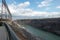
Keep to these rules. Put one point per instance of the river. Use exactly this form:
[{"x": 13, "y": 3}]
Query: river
[{"x": 40, "y": 33}]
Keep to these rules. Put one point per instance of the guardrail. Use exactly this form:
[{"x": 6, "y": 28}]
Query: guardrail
[{"x": 12, "y": 35}]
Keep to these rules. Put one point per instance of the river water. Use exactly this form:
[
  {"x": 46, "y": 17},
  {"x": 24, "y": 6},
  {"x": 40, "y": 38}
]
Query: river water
[{"x": 40, "y": 33}]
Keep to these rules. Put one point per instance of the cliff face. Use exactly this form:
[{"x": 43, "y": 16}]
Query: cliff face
[{"x": 51, "y": 25}]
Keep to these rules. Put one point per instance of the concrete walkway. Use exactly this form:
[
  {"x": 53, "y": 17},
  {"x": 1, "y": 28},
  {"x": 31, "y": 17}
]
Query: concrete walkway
[{"x": 3, "y": 33}]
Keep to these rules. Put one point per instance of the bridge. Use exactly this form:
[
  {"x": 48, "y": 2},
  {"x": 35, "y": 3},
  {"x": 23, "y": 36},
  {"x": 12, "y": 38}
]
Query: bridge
[{"x": 8, "y": 28}]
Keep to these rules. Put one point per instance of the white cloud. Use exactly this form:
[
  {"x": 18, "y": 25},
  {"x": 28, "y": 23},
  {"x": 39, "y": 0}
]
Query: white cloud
[
  {"x": 23, "y": 5},
  {"x": 18, "y": 11},
  {"x": 45, "y": 3},
  {"x": 21, "y": 10},
  {"x": 58, "y": 7}
]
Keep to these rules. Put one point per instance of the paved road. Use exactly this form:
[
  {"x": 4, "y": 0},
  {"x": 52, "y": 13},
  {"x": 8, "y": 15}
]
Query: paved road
[{"x": 3, "y": 33}]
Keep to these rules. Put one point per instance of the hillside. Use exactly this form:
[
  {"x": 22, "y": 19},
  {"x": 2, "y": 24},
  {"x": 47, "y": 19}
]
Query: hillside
[{"x": 50, "y": 24}]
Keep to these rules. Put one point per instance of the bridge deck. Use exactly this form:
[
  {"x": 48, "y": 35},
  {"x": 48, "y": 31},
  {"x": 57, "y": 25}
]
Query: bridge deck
[{"x": 3, "y": 33}]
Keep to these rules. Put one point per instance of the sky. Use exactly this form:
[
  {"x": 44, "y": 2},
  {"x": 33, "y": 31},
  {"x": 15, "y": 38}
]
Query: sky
[{"x": 34, "y": 8}]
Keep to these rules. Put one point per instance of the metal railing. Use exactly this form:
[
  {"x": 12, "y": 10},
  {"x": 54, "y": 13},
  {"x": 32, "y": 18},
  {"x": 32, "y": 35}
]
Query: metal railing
[{"x": 12, "y": 34}]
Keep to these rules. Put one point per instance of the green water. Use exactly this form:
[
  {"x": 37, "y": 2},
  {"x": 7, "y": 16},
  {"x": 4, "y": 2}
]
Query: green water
[{"x": 44, "y": 35}]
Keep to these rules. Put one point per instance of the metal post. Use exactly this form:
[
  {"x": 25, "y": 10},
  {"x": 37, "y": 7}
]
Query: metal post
[
  {"x": 5, "y": 16},
  {"x": 1, "y": 10}
]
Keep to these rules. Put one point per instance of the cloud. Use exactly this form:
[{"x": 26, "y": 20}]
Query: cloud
[
  {"x": 45, "y": 3},
  {"x": 18, "y": 10},
  {"x": 30, "y": 13},
  {"x": 21, "y": 10},
  {"x": 23, "y": 5},
  {"x": 58, "y": 7}
]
